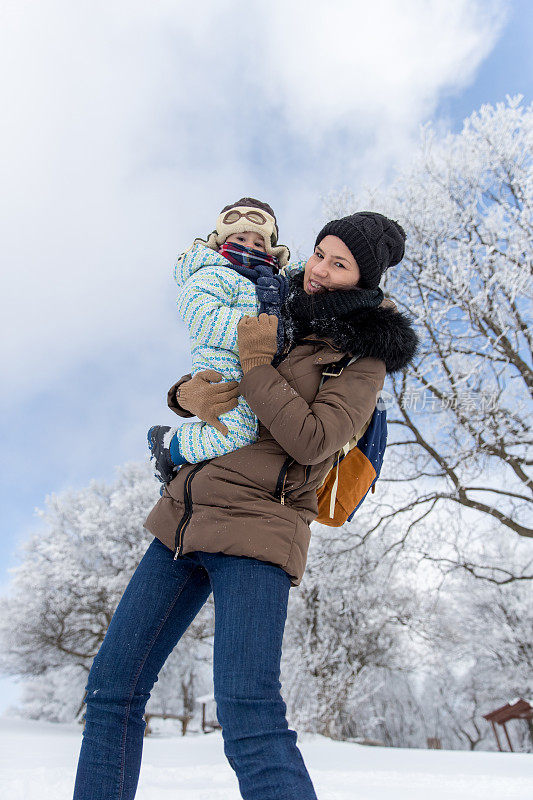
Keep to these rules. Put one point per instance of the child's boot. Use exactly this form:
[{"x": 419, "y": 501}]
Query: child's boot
[{"x": 159, "y": 438}]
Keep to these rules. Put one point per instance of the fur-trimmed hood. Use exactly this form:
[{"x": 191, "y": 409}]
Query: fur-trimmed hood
[
  {"x": 376, "y": 333},
  {"x": 382, "y": 332}
]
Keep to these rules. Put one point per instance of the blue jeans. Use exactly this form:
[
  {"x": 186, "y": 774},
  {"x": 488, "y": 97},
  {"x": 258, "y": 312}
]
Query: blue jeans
[{"x": 159, "y": 603}]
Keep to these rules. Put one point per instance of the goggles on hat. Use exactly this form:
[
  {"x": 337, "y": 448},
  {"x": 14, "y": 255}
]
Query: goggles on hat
[{"x": 252, "y": 216}]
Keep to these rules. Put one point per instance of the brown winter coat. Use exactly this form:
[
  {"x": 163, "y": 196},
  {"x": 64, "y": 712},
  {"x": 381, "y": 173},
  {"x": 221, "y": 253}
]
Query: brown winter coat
[
  {"x": 233, "y": 503},
  {"x": 232, "y": 496}
]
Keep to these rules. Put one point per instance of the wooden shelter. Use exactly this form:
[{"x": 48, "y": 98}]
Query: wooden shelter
[
  {"x": 183, "y": 718},
  {"x": 434, "y": 743},
  {"x": 516, "y": 709},
  {"x": 208, "y": 726}
]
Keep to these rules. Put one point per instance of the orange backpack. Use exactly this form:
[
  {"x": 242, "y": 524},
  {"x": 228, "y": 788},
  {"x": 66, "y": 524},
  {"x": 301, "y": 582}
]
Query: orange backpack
[{"x": 356, "y": 467}]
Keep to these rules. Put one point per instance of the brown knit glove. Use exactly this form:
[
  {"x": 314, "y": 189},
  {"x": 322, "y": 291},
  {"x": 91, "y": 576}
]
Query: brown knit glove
[
  {"x": 207, "y": 398},
  {"x": 257, "y": 338}
]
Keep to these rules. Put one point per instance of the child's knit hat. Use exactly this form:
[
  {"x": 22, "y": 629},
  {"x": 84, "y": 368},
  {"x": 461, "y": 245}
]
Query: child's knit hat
[{"x": 248, "y": 214}]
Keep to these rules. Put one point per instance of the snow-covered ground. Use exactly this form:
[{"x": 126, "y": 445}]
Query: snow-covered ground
[{"x": 38, "y": 762}]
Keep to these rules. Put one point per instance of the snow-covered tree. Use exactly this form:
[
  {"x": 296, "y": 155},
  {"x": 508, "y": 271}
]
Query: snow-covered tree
[
  {"x": 480, "y": 656},
  {"x": 64, "y": 592},
  {"x": 460, "y": 420},
  {"x": 345, "y": 627}
]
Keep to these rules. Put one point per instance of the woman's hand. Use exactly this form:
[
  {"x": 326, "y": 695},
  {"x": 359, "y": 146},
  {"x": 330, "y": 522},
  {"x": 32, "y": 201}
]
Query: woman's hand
[
  {"x": 207, "y": 398},
  {"x": 257, "y": 337}
]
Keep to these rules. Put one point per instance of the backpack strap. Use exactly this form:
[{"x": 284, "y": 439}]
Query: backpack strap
[
  {"x": 336, "y": 369},
  {"x": 333, "y": 371},
  {"x": 333, "y": 495}
]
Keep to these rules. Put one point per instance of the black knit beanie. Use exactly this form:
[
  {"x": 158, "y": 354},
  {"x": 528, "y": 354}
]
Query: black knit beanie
[{"x": 375, "y": 241}]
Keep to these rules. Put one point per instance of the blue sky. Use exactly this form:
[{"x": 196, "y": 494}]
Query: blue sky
[{"x": 130, "y": 126}]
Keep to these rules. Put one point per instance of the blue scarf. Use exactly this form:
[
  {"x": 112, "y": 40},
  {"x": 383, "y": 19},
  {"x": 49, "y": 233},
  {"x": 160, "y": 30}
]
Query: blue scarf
[{"x": 270, "y": 287}]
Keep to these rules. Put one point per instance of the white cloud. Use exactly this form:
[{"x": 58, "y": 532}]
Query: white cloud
[
  {"x": 363, "y": 64},
  {"x": 129, "y": 124}
]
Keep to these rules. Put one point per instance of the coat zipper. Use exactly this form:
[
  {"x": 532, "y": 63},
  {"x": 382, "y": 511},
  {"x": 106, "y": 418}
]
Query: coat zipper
[
  {"x": 186, "y": 518},
  {"x": 282, "y": 498},
  {"x": 280, "y": 492}
]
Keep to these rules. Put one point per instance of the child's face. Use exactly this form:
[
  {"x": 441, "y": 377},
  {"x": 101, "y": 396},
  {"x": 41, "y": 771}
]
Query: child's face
[{"x": 250, "y": 239}]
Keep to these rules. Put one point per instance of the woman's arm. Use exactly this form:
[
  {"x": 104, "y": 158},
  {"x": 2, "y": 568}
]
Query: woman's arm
[
  {"x": 173, "y": 398},
  {"x": 205, "y": 397},
  {"x": 312, "y": 433},
  {"x": 308, "y": 433}
]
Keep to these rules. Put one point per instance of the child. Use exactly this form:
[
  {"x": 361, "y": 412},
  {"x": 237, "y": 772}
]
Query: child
[{"x": 232, "y": 274}]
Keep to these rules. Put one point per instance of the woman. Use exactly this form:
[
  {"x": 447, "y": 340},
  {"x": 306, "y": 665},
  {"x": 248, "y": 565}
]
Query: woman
[{"x": 238, "y": 525}]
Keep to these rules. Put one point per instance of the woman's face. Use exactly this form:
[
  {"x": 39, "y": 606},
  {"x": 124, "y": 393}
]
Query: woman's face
[{"x": 331, "y": 267}]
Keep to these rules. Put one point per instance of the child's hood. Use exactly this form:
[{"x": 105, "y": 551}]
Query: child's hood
[
  {"x": 193, "y": 259},
  {"x": 293, "y": 268},
  {"x": 198, "y": 256}
]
